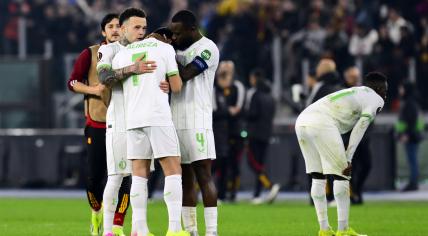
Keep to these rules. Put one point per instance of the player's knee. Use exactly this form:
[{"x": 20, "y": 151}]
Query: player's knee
[{"x": 316, "y": 175}]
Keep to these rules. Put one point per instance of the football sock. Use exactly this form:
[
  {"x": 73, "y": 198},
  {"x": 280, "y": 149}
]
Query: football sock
[
  {"x": 341, "y": 195},
  {"x": 110, "y": 197},
  {"x": 173, "y": 197},
  {"x": 189, "y": 219},
  {"x": 139, "y": 205},
  {"x": 320, "y": 202},
  {"x": 210, "y": 214}
]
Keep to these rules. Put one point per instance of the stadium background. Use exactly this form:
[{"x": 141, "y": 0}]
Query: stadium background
[{"x": 41, "y": 143}]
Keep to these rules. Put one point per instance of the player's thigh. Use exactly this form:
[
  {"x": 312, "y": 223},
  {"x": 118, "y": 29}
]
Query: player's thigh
[
  {"x": 117, "y": 161},
  {"x": 331, "y": 149},
  {"x": 163, "y": 140},
  {"x": 310, "y": 153},
  {"x": 199, "y": 145},
  {"x": 138, "y": 145}
]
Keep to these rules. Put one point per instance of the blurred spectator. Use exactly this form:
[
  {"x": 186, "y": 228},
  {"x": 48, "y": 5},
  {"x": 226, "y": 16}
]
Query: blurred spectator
[
  {"x": 362, "y": 41},
  {"x": 221, "y": 128},
  {"x": 260, "y": 113},
  {"x": 422, "y": 61},
  {"x": 231, "y": 141},
  {"x": 327, "y": 81},
  {"x": 410, "y": 127},
  {"x": 394, "y": 24}
]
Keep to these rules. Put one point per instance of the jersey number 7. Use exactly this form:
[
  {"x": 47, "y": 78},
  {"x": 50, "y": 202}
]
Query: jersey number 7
[{"x": 142, "y": 56}]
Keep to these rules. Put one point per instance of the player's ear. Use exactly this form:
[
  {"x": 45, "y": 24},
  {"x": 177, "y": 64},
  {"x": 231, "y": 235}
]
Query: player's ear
[{"x": 104, "y": 33}]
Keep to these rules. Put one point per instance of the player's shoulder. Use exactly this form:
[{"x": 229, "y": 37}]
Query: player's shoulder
[{"x": 369, "y": 95}]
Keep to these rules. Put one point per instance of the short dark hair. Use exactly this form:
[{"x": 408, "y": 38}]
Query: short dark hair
[
  {"x": 164, "y": 31},
  {"x": 130, "y": 12},
  {"x": 107, "y": 19},
  {"x": 374, "y": 79},
  {"x": 185, "y": 17}
]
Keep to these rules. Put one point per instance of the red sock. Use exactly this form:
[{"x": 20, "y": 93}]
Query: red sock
[{"x": 119, "y": 218}]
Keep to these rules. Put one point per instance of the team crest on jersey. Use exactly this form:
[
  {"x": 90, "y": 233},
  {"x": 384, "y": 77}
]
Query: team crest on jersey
[
  {"x": 100, "y": 55},
  {"x": 206, "y": 54}
]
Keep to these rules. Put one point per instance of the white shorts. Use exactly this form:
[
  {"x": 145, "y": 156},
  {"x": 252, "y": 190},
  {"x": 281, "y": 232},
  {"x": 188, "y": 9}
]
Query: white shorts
[
  {"x": 323, "y": 149},
  {"x": 117, "y": 163},
  {"x": 152, "y": 142},
  {"x": 196, "y": 145}
]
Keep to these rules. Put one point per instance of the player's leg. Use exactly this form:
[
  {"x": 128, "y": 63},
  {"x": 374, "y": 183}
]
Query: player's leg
[
  {"x": 190, "y": 199},
  {"x": 333, "y": 158},
  {"x": 96, "y": 173},
  {"x": 165, "y": 145},
  {"x": 202, "y": 154},
  {"x": 116, "y": 192},
  {"x": 318, "y": 183},
  {"x": 122, "y": 205},
  {"x": 188, "y": 211},
  {"x": 140, "y": 152},
  {"x": 202, "y": 170},
  {"x": 110, "y": 201}
]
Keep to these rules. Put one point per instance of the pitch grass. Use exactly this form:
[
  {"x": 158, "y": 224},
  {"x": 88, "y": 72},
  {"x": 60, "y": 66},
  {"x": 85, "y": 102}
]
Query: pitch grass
[{"x": 71, "y": 217}]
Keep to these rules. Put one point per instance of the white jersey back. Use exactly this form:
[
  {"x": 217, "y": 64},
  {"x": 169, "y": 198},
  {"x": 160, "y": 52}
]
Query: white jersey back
[
  {"x": 145, "y": 103},
  {"x": 192, "y": 107},
  {"x": 344, "y": 108},
  {"x": 115, "y": 117}
]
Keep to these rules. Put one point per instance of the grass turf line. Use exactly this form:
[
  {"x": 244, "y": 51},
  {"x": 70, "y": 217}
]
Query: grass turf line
[{"x": 45, "y": 217}]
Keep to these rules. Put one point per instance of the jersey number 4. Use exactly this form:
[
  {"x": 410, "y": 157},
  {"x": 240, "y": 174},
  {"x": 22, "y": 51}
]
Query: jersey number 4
[{"x": 142, "y": 56}]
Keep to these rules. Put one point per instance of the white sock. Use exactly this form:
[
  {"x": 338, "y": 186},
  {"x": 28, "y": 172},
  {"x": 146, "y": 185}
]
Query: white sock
[
  {"x": 110, "y": 199},
  {"x": 139, "y": 205},
  {"x": 210, "y": 214},
  {"x": 189, "y": 219},
  {"x": 320, "y": 202},
  {"x": 173, "y": 196},
  {"x": 341, "y": 195}
]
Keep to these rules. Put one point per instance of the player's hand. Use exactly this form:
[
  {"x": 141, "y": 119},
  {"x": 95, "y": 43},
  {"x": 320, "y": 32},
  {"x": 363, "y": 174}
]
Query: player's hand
[
  {"x": 348, "y": 170},
  {"x": 99, "y": 89},
  {"x": 164, "y": 86},
  {"x": 142, "y": 67}
]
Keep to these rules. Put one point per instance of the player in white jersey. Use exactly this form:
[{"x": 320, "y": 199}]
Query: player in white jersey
[
  {"x": 150, "y": 130},
  {"x": 117, "y": 163},
  {"x": 319, "y": 128},
  {"x": 198, "y": 59}
]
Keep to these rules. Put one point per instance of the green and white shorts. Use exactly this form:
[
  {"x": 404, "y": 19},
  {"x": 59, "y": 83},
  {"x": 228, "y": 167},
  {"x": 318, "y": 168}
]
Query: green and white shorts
[{"x": 196, "y": 145}]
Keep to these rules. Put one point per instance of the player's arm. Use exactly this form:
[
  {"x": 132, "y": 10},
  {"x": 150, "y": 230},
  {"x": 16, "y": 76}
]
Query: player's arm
[
  {"x": 357, "y": 134},
  {"x": 175, "y": 83},
  {"x": 80, "y": 73},
  {"x": 172, "y": 72},
  {"x": 191, "y": 70},
  {"x": 205, "y": 59},
  {"x": 108, "y": 76}
]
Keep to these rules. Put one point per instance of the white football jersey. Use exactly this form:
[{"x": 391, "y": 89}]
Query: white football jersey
[
  {"x": 115, "y": 117},
  {"x": 192, "y": 107},
  {"x": 145, "y": 103},
  {"x": 344, "y": 108}
]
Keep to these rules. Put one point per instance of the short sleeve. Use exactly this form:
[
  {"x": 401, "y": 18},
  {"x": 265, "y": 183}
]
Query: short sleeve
[
  {"x": 171, "y": 63},
  {"x": 209, "y": 54},
  {"x": 372, "y": 104},
  {"x": 105, "y": 57}
]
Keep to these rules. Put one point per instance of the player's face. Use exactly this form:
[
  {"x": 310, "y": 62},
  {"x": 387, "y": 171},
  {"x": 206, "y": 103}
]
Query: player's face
[
  {"x": 134, "y": 29},
  {"x": 112, "y": 31},
  {"x": 181, "y": 36}
]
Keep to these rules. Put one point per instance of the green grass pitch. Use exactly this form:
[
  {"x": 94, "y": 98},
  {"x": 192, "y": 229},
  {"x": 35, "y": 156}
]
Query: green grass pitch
[{"x": 71, "y": 217}]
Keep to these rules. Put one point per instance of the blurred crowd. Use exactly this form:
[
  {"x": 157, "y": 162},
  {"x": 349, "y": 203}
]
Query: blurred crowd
[{"x": 385, "y": 35}]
